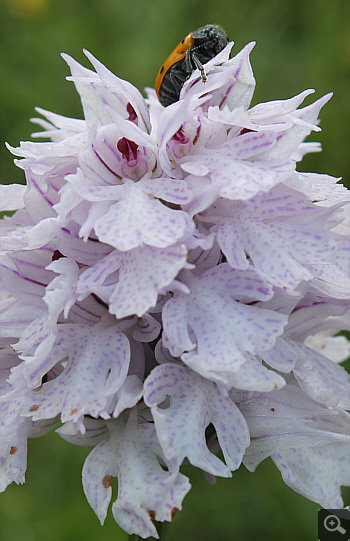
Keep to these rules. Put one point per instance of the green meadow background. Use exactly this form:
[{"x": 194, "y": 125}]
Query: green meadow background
[{"x": 300, "y": 44}]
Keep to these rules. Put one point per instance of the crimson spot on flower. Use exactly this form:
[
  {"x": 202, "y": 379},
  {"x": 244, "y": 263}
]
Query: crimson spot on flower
[
  {"x": 132, "y": 113},
  {"x": 127, "y": 148}
]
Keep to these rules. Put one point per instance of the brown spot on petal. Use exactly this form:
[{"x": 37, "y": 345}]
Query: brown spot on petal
[
  {"x": 37, "y": 389},
  {"x": 33, "y": 408},
  {"x": 152, "y": 513},
  {"x": 107, "y": 481},
  {"x": 273, "y": 409},
  {"x": 13, "y": 450},
  {"x": 173, "y": 512},
  {"x": 74, "y": 410}
]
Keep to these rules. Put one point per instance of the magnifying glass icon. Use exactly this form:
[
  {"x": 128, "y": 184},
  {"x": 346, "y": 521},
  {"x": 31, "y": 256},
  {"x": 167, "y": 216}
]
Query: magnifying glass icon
[{"x": 332, "y": 524}]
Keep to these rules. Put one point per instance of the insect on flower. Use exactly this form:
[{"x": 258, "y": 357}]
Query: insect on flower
[{"x": 195, "y": 49}]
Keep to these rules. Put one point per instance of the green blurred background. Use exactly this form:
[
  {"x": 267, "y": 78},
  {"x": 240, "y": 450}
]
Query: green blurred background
[{"x": 300, "y": 44}]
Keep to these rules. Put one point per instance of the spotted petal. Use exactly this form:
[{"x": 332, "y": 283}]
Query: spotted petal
[
  {"x": 194, "y": 404},
  {"x": 145, "y": 490}
]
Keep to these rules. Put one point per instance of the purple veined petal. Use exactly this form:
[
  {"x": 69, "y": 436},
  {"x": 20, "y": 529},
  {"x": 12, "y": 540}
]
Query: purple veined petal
[
  {"x": 101, "y": 161},
  {"x": 95, "y": 432},
  {"x": 313, "y": 313},
  {"x": 82, "y": 78},
  {"x": 205, "y": 193},
  {"x": 128, "y": 395},
  {"x": 322, "y": 379},
  {"x": 171, "y": 190},
  {"x": 282, "y": 356},
  {"x": 274, "y": 115},
  {"x": 204, "y": 259},
  {"x": 145, "y": 490},
  {"x": 118, "y": 87},
  {"x": 253, "y": 376},
  {"x": 316, "y": 473},
  {"x": 143, "y": 273},
  {"x": 86, "y": 252},
  {"x": 146, "y": 329},
  {"x": 134, "y": 215},
  {"x": 305, "y": 120},
  {"x": 140, "y": 219},
  {"x": 59, "y": 345},
  {"x": 241, "y": 180},
  {"x": 318, "y": 187},
  {"x": 20, "y": 278},
  {"x": 49, "y": 153},
  {"x": 281, "y": 233},
  {"x": 162, "y": 354},
  {"x": 207, "y": 135},
  {"x": 223, "y": 329},
  {"x": 57, "y": 127},
  {"x": 194, "y": 404},
  {"x": 308, "y": 442},
  {"x": 247, "y": 146},
  {"x": 288, "y": 419},
  {"x": 15, "y": 317},
  {"x": 43, "y": 190},
  {"x": 13, "y": 457},
  {"x": 334, "y": 280},
  {"x": 28, "y": 237},
  {"x": 39, "y": 337},
  {"x": 269, "y": 112},
  {"x": 97, "y": 366}
]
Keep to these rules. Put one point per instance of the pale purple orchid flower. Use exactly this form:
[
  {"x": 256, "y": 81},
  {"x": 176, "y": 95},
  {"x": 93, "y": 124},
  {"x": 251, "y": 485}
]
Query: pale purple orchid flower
[{"x": 172, "y": 286}]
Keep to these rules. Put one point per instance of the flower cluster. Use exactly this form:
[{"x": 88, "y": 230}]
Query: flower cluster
[{"x": 171, "y": 287}]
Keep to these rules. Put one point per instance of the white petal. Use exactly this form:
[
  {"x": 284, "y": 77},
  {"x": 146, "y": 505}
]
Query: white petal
[
  {"x": 11, "y": 196},
  {"x": 145, "y": 490},
  {"x": 97, "y": 366},
  {"x": 322, "y": 379},
  {"x": 194, "y": 404}
]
